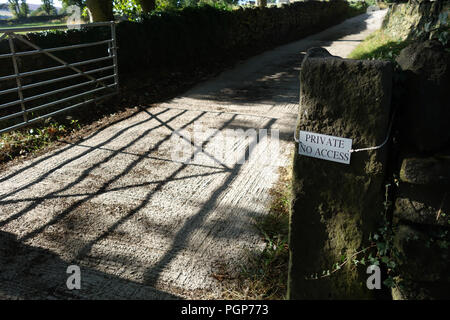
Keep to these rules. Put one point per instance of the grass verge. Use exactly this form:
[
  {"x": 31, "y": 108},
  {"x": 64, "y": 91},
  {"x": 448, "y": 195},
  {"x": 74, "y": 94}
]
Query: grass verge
[
  {"x": 15, "y": 24},
  {"x": 379, "y": 45},
  {"x": 26, "y": 141},
  {"x": 357, "y": 7},
  {"x": 264, "y": 274}
]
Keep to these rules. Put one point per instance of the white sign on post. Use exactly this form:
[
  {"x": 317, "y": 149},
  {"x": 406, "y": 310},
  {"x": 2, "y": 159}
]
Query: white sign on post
[{"x": 325, "y": 147}]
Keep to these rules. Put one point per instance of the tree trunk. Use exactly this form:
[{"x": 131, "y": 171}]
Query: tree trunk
[
  {"x": 261, "y": 3},
  {"x": 100, "y": 10},
  {"x": 147, "y": 5}
]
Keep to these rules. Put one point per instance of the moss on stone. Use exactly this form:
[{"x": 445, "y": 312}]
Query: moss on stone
[{"x": 337, "y": 206}]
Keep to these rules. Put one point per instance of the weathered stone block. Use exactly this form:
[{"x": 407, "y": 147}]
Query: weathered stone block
[
  {"x": 424, "y": 192},
  {"x": 428, "y": 205},
  {"x": 422, "y": 212},
  {"x": 435, "y": 170},
  {"x": 406, "y": 20},
  {"x": 424, "y": 254},
  {"x": 425, "y": 110},
  {"x": 410, "y": 290},
  {"x": 336, "y": 206}
]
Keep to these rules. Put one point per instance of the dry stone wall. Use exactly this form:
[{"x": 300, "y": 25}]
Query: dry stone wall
[
  {"x": 335, "y": 207},
  {"x": 422, "y": 206}
]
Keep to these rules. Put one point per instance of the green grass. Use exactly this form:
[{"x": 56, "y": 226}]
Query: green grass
[
  {"x": 357, "y": 7},
  {"x": 56, "y": 22},
  {"x": 28, "y": 140},
  {"x": 380, "y": 46}
]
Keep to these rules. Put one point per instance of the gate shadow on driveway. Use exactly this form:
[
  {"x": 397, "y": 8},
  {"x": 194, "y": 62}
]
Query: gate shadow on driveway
[
  {"x": 29, "y": 272},
  {"x": 42, "y": 272}
]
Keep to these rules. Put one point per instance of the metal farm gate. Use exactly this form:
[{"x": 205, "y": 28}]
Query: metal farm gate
[{"x": 37, "y": 83}]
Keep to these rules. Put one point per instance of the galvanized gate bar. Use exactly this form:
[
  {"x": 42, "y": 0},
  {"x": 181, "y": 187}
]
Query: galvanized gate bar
[
  {"x": 37, "y": 84},
  {"x": 75, "y": 46},
  {"x": 18, "y": 81},
  {"x": 112, "y": 55},
  {"x": 42, "y": 95},
  {"x": 68, "y": 65},
  {"x": 67, "y": 99},
  {"x": 43, "y": 117},
  {"x": 55, "y": 102},
  {"x": 76, "y": 64}
]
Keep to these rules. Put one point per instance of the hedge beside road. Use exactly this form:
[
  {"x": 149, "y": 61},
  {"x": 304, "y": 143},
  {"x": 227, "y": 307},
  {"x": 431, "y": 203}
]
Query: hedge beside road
[
  {"x": 197, "y": 36},
  {"x": 194, "y": 37}
]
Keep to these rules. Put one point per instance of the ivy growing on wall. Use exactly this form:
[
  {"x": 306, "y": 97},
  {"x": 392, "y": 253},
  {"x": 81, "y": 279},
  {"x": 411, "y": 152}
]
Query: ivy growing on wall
[
  {"x": 440, "y": 31},
  {"x": 380, "y": 252}
]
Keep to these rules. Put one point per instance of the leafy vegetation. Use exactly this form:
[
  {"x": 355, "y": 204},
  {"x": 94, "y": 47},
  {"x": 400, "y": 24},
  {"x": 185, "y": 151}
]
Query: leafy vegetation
[
  {"x": 24, "y": 141},
  {"x": 19, "y": 9},
  {"x": 380, "y": 45},
  {"x": 14, "y": 24},
  {"x": 46, "y": 9},
  {"x": 357, "y": 7},
  {"x": 380, "y": 251},
  {"x": 440, "y": 32}
]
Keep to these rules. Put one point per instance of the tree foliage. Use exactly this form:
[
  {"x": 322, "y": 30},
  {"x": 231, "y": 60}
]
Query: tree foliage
[
  {"x": 47, "y": 6},
  {"x": 78, "y": 3},
  {"x": 99, "y": 10},
  {"x": 14, "y": 7},
  {"x": 24, "y": 9},
  {"x": 19, "y": 9},
  {"x": 128, "y": 8}
]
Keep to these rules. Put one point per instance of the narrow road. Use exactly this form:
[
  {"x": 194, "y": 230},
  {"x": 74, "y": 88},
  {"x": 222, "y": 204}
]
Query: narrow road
[{"x": 146, "y": 213}]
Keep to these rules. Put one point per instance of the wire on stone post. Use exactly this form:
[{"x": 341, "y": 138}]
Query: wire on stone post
[{"x": 381, "y": 145}]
